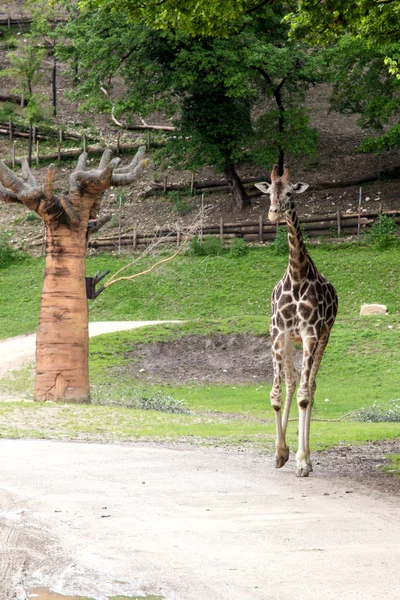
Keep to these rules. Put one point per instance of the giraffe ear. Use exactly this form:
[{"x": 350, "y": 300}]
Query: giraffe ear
[
  {"x": 300, "y": 187},
  {"x": 264, "y": 187}
]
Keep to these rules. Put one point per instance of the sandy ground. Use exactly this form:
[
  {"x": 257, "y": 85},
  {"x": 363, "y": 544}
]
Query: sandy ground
[
  {"x": 17, "y": 351},
  {"x": 187, "y": 523}
]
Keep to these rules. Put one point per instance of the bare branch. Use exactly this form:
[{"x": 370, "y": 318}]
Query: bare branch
[
  {"x": 69, "y": 210},
  {"x": 119, "y": 179},
  {"x": 134, "y": 162},
  {"x": 99, "y": 223},
  {"x": 95, "y": 180},
  {"x": 105, "y": 159},
  {"x": 195, "y": 228},
  {"x": 49, "y": 181},
  {"x": 149, "y": 270},
  {"x": 81, "y": 164},
  {"x": 26, "y": 173},
  {"x": 9, "y": 179},
  {"x": 8, "y": 196}
]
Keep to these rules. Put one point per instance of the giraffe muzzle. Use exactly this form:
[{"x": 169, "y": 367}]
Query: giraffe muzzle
[{"x": 273, "y": 214}]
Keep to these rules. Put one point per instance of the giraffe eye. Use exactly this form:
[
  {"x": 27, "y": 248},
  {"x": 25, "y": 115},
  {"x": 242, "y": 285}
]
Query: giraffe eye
[{"x": 289, "y": 194}]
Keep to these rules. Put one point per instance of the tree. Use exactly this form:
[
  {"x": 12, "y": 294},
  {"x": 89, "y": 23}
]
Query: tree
[
  {"x": 25, "y": 63},
  {"x": 214, "y": 86},
  {"x": 193, "y": 17},
  {"x": 377, "y": 21},
  {"x": 363, "y": 50},
  {"x": 62, "y": 334},
  {"x": 43, "y": 30}
]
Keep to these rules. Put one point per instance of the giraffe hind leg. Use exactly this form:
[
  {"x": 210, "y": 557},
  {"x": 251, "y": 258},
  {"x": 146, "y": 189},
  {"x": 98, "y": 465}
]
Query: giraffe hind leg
[
  {"x": 282, "y": 450},
  {"x": 322, "y": 343},
  {"x": 304, "y": 401}
]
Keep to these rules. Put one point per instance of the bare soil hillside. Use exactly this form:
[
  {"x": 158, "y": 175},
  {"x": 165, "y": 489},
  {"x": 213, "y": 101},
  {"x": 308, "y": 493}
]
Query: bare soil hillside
[{"x": 337, "y": 160}]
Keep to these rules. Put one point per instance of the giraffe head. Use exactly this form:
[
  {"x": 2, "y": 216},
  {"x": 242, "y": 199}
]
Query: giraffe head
[{"x": 280, "y": 191}]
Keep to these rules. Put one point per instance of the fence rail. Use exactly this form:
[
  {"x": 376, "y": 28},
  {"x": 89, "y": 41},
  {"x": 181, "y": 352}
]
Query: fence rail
[{"x": 337, "y": 225}]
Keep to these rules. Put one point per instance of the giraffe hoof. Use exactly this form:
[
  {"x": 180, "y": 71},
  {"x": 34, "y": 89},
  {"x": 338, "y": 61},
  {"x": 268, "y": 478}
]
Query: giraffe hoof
[
  {"x": 303, "y": 471},
  {"x": 281, "y": 458}
]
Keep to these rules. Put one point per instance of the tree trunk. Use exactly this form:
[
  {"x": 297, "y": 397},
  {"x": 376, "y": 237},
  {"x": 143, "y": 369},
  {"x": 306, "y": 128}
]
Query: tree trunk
[
  {"x": 62, "y": 372},
  {"x": 30, "y": 143},
  {"x": 62, "y": 335},
  {"x": 236, "y": 187}
]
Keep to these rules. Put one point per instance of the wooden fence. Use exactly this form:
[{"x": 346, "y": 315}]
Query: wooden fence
[{"x": 336, "y": 225}]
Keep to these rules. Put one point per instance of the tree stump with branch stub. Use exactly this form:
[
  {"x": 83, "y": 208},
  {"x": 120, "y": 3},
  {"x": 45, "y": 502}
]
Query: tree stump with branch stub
[{"x": 62, "y": 336}]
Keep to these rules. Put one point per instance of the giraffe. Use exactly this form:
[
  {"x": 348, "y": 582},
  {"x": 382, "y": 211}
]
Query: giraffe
[{"x": 304, "y": 306}]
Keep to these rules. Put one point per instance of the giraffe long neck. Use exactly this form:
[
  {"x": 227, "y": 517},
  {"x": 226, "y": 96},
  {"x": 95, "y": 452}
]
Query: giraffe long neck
[{"x": 300, "y": 265}]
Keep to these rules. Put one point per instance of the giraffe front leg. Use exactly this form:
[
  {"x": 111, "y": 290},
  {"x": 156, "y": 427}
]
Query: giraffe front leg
[
  {"x": 282, "y": 450},
  {"x": 304, "y": 401}
]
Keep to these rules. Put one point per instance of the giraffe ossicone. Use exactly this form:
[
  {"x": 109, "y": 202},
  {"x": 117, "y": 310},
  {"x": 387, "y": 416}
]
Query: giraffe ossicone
[{"x": 304, "y": 308}]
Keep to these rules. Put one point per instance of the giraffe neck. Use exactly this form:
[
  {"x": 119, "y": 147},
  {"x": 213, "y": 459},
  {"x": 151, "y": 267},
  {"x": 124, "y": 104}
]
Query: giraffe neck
[{"x": 300, "y": 265}]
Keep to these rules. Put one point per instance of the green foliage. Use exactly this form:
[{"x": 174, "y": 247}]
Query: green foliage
[
  {"x": 363, "y": 56},
  {"x": 355, "y": 69},
  {"x": 32, "y": 217},
  {"x": 209, "y": 245},
  {"x": 142, "y": 398},
  {"x": 194, "y": 17},
  {"x": 376, "y": 21},
  {"x": 25, "y": 64},
  {"x": 8, "y": 254},
  {"x": 182, "y": 204},
  {"x": 379, "y": 412},
  {"x": 211, "y": 85},
  {"x": 280, "y": 243},
  {"x": 383, "y": 232},
  {"x": 238, "y": 248},
  {"x": 7, "y": 109}
]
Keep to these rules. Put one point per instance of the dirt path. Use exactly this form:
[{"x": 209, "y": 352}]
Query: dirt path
[
  {"x": 189, "y": 523},
  {"x": 17, "y": 351}
]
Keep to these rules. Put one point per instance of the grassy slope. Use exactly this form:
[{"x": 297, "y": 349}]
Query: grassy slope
[
  {"x": 211, "y": 288},
  {"x": 361, "y": 363}
]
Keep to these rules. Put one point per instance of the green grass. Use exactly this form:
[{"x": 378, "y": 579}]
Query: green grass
[
  {"x": 394, "y": 466},
  {"x": 212, "y": 288},
  {"x": 216, "y": 294}
]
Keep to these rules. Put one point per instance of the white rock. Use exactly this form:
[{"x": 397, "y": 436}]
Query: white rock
[{"x": 373, "y": 309}]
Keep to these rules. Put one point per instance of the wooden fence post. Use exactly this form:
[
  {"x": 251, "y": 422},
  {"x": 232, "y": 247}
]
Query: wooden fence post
[
  {"x": 10, "y": 129},
  {"x": 221, "y": 229},
  {"x": 165, "y": 183},
  {"x": 192, "y": 184},
  {"x": 339, "y": 224},
  {"x": 13, "y": 155},
  {"x": 117, "y": 144},
  {"x": 37, "y": 152},
  {"x": 84, "y": 142},
  {"x": 135, "y": 238},
  {"x": 58, "y": 151},
  {"x": 260, "y": 229},
  {"x": 148, "y": 139},
  {"x": 34, "y": 135},
  {"x": 60, "y": 135}
]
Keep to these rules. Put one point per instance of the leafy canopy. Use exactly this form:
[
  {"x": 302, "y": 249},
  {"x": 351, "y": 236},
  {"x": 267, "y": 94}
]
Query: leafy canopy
[
  {"x": 223, "y": 92},
  {"x": 195, "y": 17},
  {"x": 375, "y": 20}
]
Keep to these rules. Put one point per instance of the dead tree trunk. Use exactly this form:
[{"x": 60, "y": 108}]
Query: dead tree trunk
[
  {"x": 236, "y": 188},
  {"x": 62, "y": 337}
]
